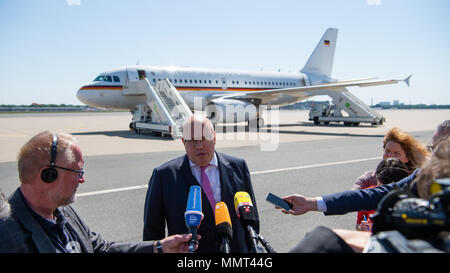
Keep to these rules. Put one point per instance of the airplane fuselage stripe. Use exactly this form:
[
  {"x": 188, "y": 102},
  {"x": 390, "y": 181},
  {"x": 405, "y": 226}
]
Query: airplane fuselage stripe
[{"x": 179, "y": 88}]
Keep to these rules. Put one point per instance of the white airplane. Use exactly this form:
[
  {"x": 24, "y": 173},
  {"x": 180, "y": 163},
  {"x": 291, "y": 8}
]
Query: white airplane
[{"x": 223, "y": 88}]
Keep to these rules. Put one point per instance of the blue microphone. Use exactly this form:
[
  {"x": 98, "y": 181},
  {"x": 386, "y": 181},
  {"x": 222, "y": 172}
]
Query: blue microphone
[{"x": 193, "y": 214}]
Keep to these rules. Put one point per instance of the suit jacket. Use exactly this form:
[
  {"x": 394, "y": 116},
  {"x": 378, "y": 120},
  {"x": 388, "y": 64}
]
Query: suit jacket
[
  {"x": 22, "y": 233},
  {"x": 366, "y": 199},
  {"x": 168, "y": 193}
]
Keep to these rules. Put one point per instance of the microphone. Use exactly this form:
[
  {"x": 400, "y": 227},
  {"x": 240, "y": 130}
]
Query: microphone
[
  {"x": 223, "y": 226},
  {"x": 244, "y": 209},
  {"x": 193, "y": 215},
  {"x": 266, "y": 244}
]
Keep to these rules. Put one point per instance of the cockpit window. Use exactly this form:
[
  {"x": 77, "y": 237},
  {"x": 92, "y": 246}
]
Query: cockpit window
[
  {"x": 103, "y": 79},
  {"x": 116, "y": 79}
]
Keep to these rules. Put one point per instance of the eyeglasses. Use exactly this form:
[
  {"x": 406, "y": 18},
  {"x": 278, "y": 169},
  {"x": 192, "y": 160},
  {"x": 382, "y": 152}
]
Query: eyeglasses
[
  {"x": 194, "y": 141},
  {"x": 79, "y": 172}
]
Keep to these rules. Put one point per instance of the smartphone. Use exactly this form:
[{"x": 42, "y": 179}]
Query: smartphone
[{"x": 272, "y": 198}]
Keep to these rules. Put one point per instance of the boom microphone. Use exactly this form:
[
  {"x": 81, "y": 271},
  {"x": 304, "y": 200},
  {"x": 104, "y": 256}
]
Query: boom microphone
[
  {"x": 223, "y": 226},
  {"x": 244, "y": 209},
  {"x": 193, "y": 214}
]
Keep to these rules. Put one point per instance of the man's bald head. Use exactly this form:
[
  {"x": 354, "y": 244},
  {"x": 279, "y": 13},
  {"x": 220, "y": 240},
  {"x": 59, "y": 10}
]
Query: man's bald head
[{"x": 198, "y": 128}]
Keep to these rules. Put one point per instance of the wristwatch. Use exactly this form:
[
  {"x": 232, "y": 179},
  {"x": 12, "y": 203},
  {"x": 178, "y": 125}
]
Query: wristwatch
[{"x": 159, "y": 246}]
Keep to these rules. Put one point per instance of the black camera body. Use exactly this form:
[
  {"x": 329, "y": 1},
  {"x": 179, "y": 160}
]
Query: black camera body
[{"x": 414, "y": 218}]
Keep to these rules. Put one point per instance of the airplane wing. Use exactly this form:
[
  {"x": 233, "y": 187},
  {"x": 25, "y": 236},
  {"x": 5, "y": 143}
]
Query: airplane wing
[{"x": 307, "y": 91}]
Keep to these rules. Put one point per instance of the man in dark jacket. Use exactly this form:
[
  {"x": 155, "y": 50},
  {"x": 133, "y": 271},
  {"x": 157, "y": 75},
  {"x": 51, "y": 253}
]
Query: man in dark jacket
[
  {"x": 220, "y": 177},
  {"x": 50, "y": 170}
]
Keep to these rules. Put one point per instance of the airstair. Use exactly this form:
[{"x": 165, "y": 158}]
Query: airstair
[
  {"x": 357, "y": 111},
  {"x": 164, "y": 111}
]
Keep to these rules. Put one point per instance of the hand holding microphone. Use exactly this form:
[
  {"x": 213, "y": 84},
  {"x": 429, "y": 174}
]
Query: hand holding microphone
[
  {"x": 223, "y": 226},
  {"x": 193, "y": 214}
]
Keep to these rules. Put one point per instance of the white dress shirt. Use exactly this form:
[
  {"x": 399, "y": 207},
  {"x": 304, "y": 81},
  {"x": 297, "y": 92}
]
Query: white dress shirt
[
  {"x": 321, "y": 205},
  {"x": 212, "y": 171}
]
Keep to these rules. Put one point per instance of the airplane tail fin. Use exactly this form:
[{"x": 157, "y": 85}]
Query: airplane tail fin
[{"x": 321, "y": 60}]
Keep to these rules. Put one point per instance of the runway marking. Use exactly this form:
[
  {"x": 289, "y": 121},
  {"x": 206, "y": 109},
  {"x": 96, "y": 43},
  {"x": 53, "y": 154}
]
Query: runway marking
[
  {"x": 112, "y": 190},
  {"x": 251, "y": 173},
  {"x": 315, "y": 165}
]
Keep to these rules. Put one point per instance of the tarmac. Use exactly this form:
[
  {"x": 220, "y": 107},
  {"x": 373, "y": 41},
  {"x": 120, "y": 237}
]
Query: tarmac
[{"x": 108, "y": 133}]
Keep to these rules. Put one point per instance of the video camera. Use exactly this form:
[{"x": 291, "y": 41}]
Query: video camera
[{"x": 406, "y": 223}]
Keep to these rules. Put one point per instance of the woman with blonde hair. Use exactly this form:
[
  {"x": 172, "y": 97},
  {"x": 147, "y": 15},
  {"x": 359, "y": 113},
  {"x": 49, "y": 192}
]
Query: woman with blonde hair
[
  {"x": 401, "y": 145},
  {"x": 437, "y": 168}
]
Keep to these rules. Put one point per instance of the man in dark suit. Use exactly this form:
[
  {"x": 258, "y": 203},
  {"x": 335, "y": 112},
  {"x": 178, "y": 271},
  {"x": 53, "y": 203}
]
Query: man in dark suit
[
  {"x": 42, "y": 220},
  {"x": 169, "y": 186}
]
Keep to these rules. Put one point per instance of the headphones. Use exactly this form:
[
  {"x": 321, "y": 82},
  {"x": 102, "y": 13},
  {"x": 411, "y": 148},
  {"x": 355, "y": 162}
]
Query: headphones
[{"x": 50, "y": 174}]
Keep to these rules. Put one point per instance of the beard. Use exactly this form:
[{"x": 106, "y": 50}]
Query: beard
[
  {"x": 67, "y": 201},
  {"x": 63, "y": 200}
]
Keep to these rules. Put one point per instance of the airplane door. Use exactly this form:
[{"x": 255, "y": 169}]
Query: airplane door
[
  {"x": 224, "y": 83},
  {"x": 131, "y": 85},
  {"x": 132, "y": 74}
]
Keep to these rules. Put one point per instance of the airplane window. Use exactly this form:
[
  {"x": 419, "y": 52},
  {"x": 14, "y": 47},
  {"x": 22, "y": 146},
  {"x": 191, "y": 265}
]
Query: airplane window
[
  {"x": 195, "y": 81},
  {"x": 116, "y": 79},
  {"x": 175, "y": 80},
  {"x": 232, "y": 82},
  {"x": 103, "y": 79},
  {"x": 200, "y": 81},
  {"x": 154, "y": 80},
  {"x": 217, "y": 81},
  {"x": 98, "y": 79},
  {"x": 237, "y": 82},
  {"x": 190, "y": 81}
]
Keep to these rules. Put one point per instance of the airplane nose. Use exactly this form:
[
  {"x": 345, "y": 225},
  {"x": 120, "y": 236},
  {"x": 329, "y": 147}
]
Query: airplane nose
[
  {"x": 80, "y": 95},
  {"x": 83, "y": 96}
]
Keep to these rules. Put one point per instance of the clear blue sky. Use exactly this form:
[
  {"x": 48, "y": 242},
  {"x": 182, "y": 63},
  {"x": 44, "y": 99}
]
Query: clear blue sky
[{"x": 50, "y": 48}]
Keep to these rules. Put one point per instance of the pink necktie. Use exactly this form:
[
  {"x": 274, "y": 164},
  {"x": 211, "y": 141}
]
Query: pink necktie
[{"x": 206, "y": 186}]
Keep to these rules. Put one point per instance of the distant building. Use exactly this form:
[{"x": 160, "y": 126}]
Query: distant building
[
  {"x": 396, "y": 103},
  {"x": 384, "y": 103}
]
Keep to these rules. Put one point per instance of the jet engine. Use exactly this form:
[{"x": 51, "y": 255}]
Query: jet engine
[{"x": 224, "y": 110}]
